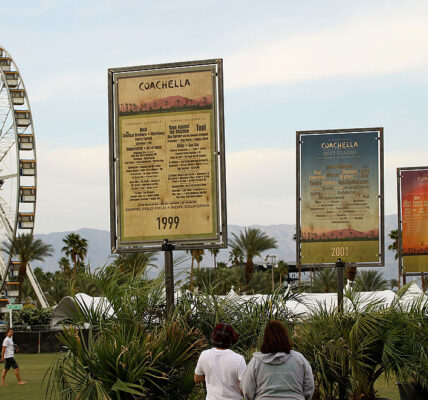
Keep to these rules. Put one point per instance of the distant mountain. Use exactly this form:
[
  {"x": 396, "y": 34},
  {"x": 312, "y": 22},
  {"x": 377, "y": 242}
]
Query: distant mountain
[{"x": 99, "y": 247}]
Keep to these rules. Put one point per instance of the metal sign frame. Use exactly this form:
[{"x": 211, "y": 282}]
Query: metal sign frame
[
  {"x": 219, "y": 199},
  {"x": 400, "y": 222},
  {"x": 379, "y": 130}
]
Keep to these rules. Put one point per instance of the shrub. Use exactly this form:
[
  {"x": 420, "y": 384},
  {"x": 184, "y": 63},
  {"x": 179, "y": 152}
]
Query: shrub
[
  {"x": 135, "y": 353},
  {"x": 349, "y": 350},
  {"x": 32, "y": 316}
]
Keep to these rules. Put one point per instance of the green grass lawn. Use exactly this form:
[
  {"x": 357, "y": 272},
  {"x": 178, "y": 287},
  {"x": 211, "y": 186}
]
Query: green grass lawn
[
  {"x": 387, "y": 389},
  {"x": 32, "y": 368}
]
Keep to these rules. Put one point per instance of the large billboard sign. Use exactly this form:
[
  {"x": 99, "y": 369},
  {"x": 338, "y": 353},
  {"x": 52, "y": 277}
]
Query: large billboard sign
[
  {"x": 340, "y": 197},
  {"x": 167, "y": 171},
  {"x": 413, "y": 218}
]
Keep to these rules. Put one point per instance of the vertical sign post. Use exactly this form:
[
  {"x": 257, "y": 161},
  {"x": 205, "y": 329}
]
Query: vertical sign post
[
  {"x": 167, "y": 248},
  {"x": 340, "y": 198},
  {"x": 340, "y": 267},
  {"x": 412, "y": 191},
  {"x": 167, "y": 159}
]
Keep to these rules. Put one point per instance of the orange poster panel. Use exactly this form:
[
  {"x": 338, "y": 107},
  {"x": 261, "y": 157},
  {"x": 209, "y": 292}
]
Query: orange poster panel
[{"x": 414, "y": 212}]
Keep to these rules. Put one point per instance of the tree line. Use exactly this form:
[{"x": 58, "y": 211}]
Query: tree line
[{"x": 240, "y": 274}]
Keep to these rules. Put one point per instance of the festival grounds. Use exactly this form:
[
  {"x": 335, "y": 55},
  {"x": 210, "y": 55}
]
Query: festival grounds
[{"x": 33, "y": 368}]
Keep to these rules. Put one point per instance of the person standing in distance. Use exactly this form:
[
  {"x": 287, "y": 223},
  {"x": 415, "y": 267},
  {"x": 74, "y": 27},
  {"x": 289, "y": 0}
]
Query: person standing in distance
[
  {"x": 7, "y": 353},
  {"x": 221, "y": 368},
  {"x": 277, "y": 371}
]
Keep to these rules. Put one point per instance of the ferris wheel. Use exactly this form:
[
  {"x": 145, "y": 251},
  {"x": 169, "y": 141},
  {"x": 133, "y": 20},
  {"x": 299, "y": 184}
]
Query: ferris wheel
[{"x": 18, "y": 174}]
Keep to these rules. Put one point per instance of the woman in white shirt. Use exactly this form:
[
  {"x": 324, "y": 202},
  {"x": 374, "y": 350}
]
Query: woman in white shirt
[{"x": 221, "y": 368}]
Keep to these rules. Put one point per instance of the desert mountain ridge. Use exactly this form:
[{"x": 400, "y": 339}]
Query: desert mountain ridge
[{"x": 99, "y": 253}]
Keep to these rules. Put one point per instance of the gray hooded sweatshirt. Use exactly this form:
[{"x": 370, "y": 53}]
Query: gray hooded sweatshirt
[{"x": 278, "y": 376}]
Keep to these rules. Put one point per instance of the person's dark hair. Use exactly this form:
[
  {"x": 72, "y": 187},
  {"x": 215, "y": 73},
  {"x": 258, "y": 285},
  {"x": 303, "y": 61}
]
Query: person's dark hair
[
  {"x": 224, "y": 336},
  {"x": 8, "y": 330},
  {"x": 276, "y": 339}
]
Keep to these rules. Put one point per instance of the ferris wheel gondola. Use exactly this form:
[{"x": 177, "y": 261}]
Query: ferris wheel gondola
[{"x": 18, "y": 174}]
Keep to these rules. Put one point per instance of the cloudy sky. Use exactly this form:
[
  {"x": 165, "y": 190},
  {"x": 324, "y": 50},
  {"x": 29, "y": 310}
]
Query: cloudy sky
[{"x": 288, "y": 66}]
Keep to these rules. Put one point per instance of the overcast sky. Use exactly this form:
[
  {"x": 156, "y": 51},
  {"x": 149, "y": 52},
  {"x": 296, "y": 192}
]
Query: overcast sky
[{"x": 288, "y": 66}]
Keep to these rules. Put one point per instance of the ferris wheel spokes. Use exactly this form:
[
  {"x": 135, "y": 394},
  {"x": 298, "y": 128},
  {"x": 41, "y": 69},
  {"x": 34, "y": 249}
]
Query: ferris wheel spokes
[
  {"x": 18, "y": 183},
  {"x": 6, "y": 223}
]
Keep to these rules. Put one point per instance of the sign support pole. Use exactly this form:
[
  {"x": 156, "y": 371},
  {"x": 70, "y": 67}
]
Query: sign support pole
[
  {"x": 340, "y": 269},
  {"x": 10, "y": 319},
  {"x": 168, "y": 248}
]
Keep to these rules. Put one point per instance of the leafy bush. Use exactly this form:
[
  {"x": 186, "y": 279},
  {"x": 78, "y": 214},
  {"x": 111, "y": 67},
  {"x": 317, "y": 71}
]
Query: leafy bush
[
  {"x": 203, "y": 310},
  {"x": 32, "y": 316},
  {"x": 128, "y": 362},
  {"x": 222, "y": 279},
  {"x": 139, "y": 352},
  {"x": 136, "y": 353},
  {"x": 348, "y": 351}
]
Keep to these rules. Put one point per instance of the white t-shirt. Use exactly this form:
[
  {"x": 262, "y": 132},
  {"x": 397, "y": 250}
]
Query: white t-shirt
[
  {"x": 223, "y": 370},
  {"x": 10, "y": 349}
]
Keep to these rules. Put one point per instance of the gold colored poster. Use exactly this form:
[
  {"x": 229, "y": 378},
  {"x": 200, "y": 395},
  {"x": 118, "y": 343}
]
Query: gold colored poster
[
  {"x": 167, "y": 166},
  {"x": 340, "y": 211}
]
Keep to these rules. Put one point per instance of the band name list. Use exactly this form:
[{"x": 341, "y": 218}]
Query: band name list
[
  {"x": 167, "y": 169},
  {"x": 169, "y": 166},
  {"x": 340, "y": 193},
  {"x": 415, "y": 213}
]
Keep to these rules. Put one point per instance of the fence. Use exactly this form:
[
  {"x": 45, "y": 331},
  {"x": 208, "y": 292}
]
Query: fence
[{"x": 37, "y": 341}]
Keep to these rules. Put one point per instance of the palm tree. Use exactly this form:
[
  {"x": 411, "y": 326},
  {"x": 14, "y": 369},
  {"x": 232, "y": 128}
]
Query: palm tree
[
  {"x": 196, "y": 255},
  {"x": 236, "y": 257},
  {"x": 325, "y": 281},
  {"x": 369, "y": 281},
  {"x": 282, "y": 270},
  {"x": 64, "y": 266},
  {"x": 192, "y": 271},
  {"x": 76, "y": 248},
  {"x": 27, "y": 249},
  {"x": 214, "y": 253},
  {"x": 143, "y": 353},
  {"x": 393, "y": 283},
  {"x": 394, "y": 247},
  {"x": 252, "y": 242},
  {"x": 59, "y": 288},
  {"x": 134, "y": 263}
]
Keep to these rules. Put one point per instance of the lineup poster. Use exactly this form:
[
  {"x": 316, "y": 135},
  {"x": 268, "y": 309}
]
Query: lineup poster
[
  {"x": 168, "y": 166},
  {"x": 339, "y": 197},
  {"x": 414, "y": 216}
]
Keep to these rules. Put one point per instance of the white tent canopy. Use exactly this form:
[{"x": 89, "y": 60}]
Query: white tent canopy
[
  {"x": 306, "y": 302},
  {"x": 300, "y": 307},
  {"x": 69, "y": 305}
]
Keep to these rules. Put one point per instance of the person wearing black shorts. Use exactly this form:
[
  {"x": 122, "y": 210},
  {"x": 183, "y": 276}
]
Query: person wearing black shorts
[{"x": 7, "y": 356}]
